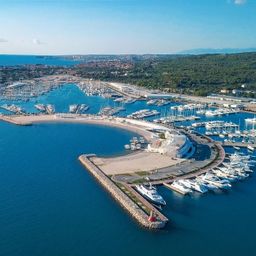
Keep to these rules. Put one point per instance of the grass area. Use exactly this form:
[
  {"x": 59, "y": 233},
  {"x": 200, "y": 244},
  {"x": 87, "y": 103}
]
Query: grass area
[
  {"x": 142, "y": 173},
  {"x": 134, "y": 198},
  {"x": 138, "y": 181}
]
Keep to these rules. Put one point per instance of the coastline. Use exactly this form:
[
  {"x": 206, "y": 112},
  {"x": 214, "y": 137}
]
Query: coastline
[{"x": 140, "y": 164}]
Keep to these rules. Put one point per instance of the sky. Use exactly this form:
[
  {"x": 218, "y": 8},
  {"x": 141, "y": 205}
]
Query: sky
[{"x": 124, "y": 26}]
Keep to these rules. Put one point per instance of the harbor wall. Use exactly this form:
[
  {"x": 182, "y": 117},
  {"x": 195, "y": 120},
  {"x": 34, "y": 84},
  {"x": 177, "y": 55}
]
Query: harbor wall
[{"x": 127, "y": 203}]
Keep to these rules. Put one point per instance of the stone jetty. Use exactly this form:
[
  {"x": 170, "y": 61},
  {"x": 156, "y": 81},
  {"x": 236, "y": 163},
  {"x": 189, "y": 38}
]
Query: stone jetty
[{"x": 125, "y": 201}]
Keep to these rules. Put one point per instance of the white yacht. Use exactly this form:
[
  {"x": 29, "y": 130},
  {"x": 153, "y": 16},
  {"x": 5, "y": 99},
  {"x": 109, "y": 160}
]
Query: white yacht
[
  {"x": 251, "y": 148},
  {"x": 73, "y": 108},
  {"x": 198, "y": 187},
  {"x": 181, "y": 187},
  {"x": 220, "y": 183},
  {"x": 238, "y": 157},
  {"x": 224, "y": 175},
  {"x": 185, "y": 183},
  {"x": 50, "y": 109},
  {"x": 127, "y": 146},
  {"x": 209, "y": 186},
  {"x": 40, "y": 107},
  {"x": 83, "y": 108},
  {"x": 192, "y": 184},
  {"x": 151, "y": 194},
  {"x": 251, "y": 120}
]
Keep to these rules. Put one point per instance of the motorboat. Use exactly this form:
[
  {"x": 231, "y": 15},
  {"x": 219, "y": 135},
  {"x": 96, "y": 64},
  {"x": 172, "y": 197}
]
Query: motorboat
[{"x": 181, "y": 187}]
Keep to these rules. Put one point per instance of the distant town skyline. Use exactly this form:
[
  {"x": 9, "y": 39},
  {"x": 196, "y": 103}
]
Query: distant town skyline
[{"x": 124, "y": 26}]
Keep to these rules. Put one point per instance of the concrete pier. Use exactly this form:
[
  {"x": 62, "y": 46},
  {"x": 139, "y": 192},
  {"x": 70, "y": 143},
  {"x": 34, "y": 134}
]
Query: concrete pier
[
  {"x": 10, "y": 119},
  {"x": 238, "y": 144},
  {"x": 125, "y": 201}
]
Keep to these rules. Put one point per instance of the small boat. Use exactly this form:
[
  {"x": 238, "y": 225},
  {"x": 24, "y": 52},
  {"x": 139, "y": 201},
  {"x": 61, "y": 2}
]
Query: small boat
[
  {"x": 50, "y": 109},
  {"x": 73, "y": 108},
  {"x": 220, "y": 183},
  {"x": 138, "y": 146},
  {"x": 251, "y": 148},
  {"x": 198, "y": 187},
  {"x": 127, "y": 146},
  {"x": 40, "y": 107}
]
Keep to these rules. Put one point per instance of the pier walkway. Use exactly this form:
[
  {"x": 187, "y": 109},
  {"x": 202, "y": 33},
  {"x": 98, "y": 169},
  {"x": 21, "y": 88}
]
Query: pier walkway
[
  {"x": 10, "y": 119},
  {"x": 238, "y": 144}
]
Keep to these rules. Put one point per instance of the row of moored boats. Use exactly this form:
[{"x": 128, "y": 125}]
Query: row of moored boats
[{"x": 238, "y": 168}]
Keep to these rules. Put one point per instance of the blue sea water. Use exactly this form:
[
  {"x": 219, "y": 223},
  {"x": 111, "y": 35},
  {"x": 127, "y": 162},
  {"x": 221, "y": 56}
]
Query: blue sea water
[
  {"x": 69, "y": 94},
  {"x": 14, "y": 60},
  {"x": 50, "y": 205}
]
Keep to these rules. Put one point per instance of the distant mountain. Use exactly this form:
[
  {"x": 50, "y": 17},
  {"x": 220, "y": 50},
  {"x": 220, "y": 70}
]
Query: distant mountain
[{"x": 216, "y": 51}]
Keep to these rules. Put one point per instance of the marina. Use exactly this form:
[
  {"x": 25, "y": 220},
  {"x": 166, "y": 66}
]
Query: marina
[
  {"x": 220, "y": 112},
  {"x": 12, "y": 108},
  {"x": 78, "y": 108},
  {"x": 113, "y": 166},
  {"x": 109, "y": 111},
  {"x": 143, "y": 113},
  {"x": 186, "y": 178},
  {"x": 128, "y": 128}
]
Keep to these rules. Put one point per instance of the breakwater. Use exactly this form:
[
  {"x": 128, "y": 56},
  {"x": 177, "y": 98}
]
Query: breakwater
[
  {"x": 10, "y": 119},
  {"x": 125, "y": 201}
]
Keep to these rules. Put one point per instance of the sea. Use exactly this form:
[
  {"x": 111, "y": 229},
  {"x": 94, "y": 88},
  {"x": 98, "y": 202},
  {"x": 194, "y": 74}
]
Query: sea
[
  {"x": 18, "y": 60},
  {"x": 50, "y": 205}
]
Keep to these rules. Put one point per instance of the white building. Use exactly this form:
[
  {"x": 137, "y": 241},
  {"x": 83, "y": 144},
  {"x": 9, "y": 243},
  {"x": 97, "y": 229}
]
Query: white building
[{"x": 173, "y": 145}]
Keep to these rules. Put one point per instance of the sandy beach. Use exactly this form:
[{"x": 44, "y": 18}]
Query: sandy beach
[
  {"x": 140, "y": 161},
  {"x": 72, "y": 118}
]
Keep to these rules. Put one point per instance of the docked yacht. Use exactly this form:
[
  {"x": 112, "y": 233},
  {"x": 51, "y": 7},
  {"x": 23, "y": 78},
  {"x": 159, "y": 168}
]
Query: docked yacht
[
  {"x": 251, "y": 120},
  {"x": 209, "y": 186},
  {"x": 224, "y": 175},
  {"x": 177, "y": 184},
  {"x": 50, "y": 109},
  {"x": 198, "y": 187},
  {"x": 239, "y": 157},
  {"x": 192, "y": 184},
  {"x": 251, "y": 148},
  {"x": 83, "y": 108},
  {"x": 73, "y": 108},
  {"x": 40, "y": 107},
  {"x": 151, "y": 194},
  {"x": 220, "y": 183}
]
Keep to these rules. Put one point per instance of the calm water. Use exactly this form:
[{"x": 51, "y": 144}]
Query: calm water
[
  {"x": 49, "y": 205},
  {"x": 70, "y": 94},
  {"x": 14, "y": 60}
]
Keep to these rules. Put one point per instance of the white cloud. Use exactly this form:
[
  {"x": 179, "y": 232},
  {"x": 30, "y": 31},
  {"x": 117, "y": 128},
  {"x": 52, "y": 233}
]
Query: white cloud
[
  {"x": 239, "y": 2},
  {"x": 37, "y": 41},
  {"x": 3, "y": 40}
]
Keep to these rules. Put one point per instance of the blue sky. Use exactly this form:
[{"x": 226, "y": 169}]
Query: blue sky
[{"x": 124, "y": 26}]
